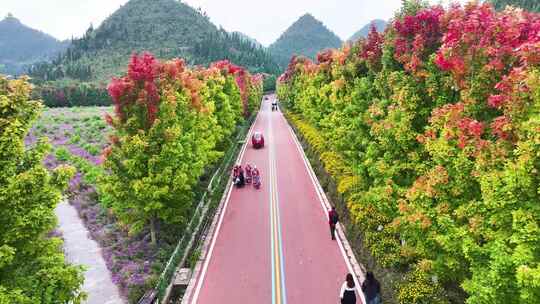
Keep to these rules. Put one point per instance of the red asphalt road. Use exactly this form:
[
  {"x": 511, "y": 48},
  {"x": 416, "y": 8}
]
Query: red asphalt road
[{"x": 239, "y": 269}]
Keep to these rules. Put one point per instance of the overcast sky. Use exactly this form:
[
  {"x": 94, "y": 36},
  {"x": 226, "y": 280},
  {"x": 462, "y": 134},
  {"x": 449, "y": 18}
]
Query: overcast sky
[{"x": 263, "y": 20}]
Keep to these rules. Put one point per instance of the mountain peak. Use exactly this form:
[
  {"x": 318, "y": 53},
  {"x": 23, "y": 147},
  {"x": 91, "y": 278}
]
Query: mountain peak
[
  {"x": 307, "y": 20},
  {"x": 23, "y": 46},
  {"x": 306, "y": 36},
  {"x": 379, "y": 24},
  {"x": 307, "y": 16},
  {"x": 166, "y": 28},
  {"x": 11, "y": 19}
]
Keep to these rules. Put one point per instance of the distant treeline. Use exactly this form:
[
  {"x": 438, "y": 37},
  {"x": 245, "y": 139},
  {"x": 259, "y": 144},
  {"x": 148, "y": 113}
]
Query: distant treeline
[
  {"x": 530, "y": 5},
  {"x": 81, "y": 94},
  {"x": 78, "y": 66},
  {"x": 81, "y": 61},
  {"x": 235, "y": 48}
]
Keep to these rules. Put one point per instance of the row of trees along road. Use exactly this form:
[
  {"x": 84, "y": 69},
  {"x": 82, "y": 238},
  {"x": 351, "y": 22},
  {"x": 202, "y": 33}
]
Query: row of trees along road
[
  {"x": 32, "y": 265},
  {"x": 432, "y": 133},
  {"x": 171, "y": 123}
]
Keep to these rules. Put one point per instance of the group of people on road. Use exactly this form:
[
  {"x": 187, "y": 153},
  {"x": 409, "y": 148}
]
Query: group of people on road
[
  {"x": 370, "y": 287},
  {"x": 251, "y": 175},
  {"x": 274, "y": 105}
]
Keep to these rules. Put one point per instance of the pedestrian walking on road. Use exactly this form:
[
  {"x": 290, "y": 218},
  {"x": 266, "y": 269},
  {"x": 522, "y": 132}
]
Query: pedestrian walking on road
[
  {"x": 347, "y": 294},
  {"x": 372, "y": 289},
  {"x": 333, "y": 219}
]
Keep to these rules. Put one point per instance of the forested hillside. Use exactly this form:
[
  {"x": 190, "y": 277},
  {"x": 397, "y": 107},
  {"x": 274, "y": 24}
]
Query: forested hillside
[
  {"x": 306, "y": 36},
  {"x": 248, "y": 38},
  {"x": 21, "y": 46},
  {"x": 431, "y": 133},
  {"x": 379, "y": 24},
  {"x": 531, "y": 5},
  {"x": 167, "y": 28},
  {"x": 235, "y": 47}
]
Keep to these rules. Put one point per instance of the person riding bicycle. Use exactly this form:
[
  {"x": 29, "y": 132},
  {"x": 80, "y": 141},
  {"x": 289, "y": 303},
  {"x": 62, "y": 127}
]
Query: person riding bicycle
[
  {"x": 241, "y": 179},
  {"x": 249, "y": 173},
  {"x": 238, "y": 176},
  {"x": 255, "y": 171},
  {"x": 256, "y": 177}
]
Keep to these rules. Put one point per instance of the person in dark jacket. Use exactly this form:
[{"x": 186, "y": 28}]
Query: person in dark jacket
[
  {"x": 241, "y": 178},
  {"x": 372, "y": 289},
  {"x": 333, "y": 219},
  {"x": 347, "y": 295}
]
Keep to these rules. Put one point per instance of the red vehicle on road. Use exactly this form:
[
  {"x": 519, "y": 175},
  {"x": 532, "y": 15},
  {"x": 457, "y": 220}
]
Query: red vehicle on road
[{"x": 257, "y": 140}]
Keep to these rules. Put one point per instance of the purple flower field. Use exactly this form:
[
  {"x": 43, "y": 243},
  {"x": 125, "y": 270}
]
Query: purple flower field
[
  {"x": 134, "y": 263},
  {"x": 82, "y": 130}
]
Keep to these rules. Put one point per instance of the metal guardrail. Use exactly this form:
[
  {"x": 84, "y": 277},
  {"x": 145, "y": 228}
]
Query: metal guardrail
[{"x": 182, "y": 249}]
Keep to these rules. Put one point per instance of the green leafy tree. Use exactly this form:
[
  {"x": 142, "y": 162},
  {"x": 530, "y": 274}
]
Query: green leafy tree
[
  {"x": 32, "y": 265},
  {"x": 433, "y": 141},
  {"x": 169, "y": 124}
]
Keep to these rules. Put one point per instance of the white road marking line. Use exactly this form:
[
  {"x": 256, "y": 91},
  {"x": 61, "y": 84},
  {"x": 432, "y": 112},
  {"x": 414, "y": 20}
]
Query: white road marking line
[
  {"x": 325, "y": 206},
  {"x": 218, "y": 228}
]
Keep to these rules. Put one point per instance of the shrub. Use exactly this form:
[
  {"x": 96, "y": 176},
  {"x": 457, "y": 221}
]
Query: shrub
[{"x": 62, "y": 154}]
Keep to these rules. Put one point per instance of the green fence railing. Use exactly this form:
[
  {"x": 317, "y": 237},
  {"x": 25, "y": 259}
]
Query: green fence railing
[{"x": 183, "y": 248}]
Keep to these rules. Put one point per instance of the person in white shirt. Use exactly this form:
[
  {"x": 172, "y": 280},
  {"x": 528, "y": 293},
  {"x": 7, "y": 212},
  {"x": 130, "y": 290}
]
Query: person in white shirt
[{"x": 347, "y": 294}]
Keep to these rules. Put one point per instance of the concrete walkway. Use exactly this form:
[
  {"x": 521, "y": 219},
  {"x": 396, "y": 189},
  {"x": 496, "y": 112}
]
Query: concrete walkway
[{"x": 82, "y": 250}]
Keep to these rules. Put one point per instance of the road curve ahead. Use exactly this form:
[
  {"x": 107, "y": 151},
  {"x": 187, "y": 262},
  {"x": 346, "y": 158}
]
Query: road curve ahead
[{"x": 272, "y": 245}]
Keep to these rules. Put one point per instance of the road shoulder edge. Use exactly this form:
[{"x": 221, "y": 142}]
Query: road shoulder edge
[
  {"x": 211, "y": 232},
  {"x": 358, "y": 269}
]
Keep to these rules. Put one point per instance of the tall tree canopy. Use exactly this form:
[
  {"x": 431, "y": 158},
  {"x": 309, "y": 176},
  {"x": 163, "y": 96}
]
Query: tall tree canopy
[{"x": 32, "y": 265}]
